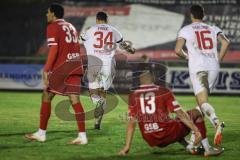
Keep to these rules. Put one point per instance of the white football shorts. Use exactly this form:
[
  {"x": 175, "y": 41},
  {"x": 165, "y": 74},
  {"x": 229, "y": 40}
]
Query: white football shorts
[
  {"x": 203, "y": 80},
  {"x": 101, "y": 75}
]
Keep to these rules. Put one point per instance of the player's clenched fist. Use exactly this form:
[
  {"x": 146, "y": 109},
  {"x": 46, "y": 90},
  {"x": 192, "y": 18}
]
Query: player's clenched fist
[{"x": 128, "y": 47}]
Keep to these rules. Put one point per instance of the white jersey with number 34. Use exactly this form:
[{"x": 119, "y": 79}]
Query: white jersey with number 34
[
  {"x": 99, "y": 38},
  {"x": 201, "y": 43}
]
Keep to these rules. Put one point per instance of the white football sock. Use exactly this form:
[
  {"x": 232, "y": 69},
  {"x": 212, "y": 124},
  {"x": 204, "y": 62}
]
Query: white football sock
[
  {"x": 205, "y": 144},
  {"x": 82, "y": 135},
  {"x": 41, "y": 132},
  {"x": 104, "y": 103},
  {"x": 191, "y": 141},
  {"x": 192, "y": 138},
  {"x": 96, "y": 99},
  {"x": 209, "y": 112}
]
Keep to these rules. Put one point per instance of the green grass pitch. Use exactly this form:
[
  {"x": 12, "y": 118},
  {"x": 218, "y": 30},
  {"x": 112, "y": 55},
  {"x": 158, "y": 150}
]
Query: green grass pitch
[{"x": 19, "y": 114}]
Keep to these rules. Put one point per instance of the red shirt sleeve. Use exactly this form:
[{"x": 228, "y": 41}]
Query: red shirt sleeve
[
  {"x": 52, "y": 35},
  {"x": 171, "y": 103},
  {"x": 52, "y": 54},
  {"x": 52, "y": 41},
  {"x": 131, "y": 106}
]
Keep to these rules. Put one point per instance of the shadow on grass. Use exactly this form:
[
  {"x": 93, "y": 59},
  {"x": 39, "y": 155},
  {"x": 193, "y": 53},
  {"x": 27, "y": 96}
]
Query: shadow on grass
[
  {"x": 150, "y": 156},
  {"x": 51, "y": 137},
  {"x": 14, "y": 146},
  {"x": 23, "y": 133}
]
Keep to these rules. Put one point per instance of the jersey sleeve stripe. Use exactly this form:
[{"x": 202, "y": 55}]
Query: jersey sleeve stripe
[
  {"x": 219, "y": 33},
  {"x": 176, "y": 109},
  {"x": 51, "y": 39},
  {"x": 181, "y": 38},
  {"x": 52, "y": 44},
  {"x": 82, "y": 38},
  {"x": 120, "y": 40}
]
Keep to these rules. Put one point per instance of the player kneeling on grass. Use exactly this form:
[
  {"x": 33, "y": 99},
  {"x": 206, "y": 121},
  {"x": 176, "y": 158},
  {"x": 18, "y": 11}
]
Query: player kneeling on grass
[
  {"x": 62, "y": 72},
  {"x": 150, "y": 105}
]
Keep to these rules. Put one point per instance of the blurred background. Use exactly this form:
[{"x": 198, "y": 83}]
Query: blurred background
[{"x": 151, "y": 25}]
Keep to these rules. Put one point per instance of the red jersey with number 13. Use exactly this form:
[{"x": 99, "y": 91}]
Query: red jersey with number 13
[{"x": 151, "y": 106}]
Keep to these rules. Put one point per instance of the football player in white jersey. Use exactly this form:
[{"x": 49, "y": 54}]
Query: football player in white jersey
[
  {"x": 201, "y": 41},
  {"x": 100, "y": 42}
]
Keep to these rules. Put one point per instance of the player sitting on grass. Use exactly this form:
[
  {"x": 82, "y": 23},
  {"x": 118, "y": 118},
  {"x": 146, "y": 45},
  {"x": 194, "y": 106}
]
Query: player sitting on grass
[{"x": 150, "y": 105}]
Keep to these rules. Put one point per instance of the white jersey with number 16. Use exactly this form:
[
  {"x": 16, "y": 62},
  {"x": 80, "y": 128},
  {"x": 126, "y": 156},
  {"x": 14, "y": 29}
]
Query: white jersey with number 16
[{"x": 201, "y": 43}]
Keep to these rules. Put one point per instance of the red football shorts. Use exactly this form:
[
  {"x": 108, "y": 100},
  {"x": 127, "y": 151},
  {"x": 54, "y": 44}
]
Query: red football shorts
[
  {"x": 177, "y": 132},
  {"x": 65, "y": 85}
]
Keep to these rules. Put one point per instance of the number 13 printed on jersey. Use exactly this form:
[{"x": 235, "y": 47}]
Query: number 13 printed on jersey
[{"x": 147, "y": 102}]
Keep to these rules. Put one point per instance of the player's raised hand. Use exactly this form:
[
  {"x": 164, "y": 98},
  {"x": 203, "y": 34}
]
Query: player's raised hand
[
  {"x": 124, "y": 151},
  {"x": 127, "y": 46},
  {"x": 131, "y": 50}
]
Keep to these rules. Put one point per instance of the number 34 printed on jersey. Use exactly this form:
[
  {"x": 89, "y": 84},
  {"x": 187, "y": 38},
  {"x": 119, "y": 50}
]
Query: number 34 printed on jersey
[{"x": 103, "y": 40}]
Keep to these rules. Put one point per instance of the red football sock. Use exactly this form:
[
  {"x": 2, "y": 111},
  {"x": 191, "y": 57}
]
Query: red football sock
[
  {"x": 80, "y": 116},
  {"x": 45, "y": 114},
  {"x": 202, "y": 128}
]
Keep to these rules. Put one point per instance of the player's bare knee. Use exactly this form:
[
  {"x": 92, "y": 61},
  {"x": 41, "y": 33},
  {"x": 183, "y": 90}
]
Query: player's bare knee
[
  {"x": 199, "y": 119},
  {"x": 103, "y": 93},
  {"x": 197, "y": 112},
  {"x": 198, "y": 115},
  {"x": 194, "y": 114},
  {"x": 47, "y": 96},
  {"x": 202, "y": 97},
  {"x": 95, "y": 98},
  {"x": 93, "y": 91},
  {"x": 74, "y": 99}
]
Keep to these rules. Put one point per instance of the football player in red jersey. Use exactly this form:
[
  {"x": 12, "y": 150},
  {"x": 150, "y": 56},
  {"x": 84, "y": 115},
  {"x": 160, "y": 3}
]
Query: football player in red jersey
[
  {"x": 62, "y": 72},
  {"x": 150, "y": 105}
]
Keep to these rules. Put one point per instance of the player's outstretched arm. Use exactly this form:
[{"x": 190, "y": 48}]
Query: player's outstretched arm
[
  {"x": 179, "y": 49},
  {"x": 129, "y": 136},
  {"x": 183, "y": 116},
  {"x": 224, "y": 46},
  {"x": 127, "y": 47},
  {"x": 85, "y": 35}
]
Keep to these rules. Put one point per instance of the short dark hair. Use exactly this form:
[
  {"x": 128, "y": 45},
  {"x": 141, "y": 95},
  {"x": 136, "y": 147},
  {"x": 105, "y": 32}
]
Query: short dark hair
[
  {"x": 101, "y": 16},
  {"x": 197, "y": 11},
  {"x": 144, "y": 67},
  {"x": 57, "y": 9}
]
